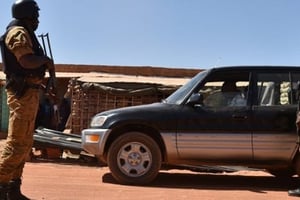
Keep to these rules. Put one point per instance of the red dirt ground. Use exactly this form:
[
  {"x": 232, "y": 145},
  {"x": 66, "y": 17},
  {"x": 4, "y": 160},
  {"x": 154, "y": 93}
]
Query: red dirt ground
[
  {"x": 78, "y": 179},
  {"x": 72, "y": 181}
]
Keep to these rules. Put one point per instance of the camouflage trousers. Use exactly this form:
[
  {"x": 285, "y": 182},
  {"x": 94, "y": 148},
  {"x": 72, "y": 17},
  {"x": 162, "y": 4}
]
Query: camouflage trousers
[{"x": 22, "y": 114}]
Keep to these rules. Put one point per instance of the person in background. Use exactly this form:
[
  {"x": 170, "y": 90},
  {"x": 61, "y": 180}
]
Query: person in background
[
  {"x": 24, "y": 64},
  {"x": 296, "y": 192}
]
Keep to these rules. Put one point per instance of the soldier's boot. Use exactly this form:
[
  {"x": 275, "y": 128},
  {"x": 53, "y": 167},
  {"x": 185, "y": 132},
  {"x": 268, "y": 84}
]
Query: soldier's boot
[
  {"x": 3, "y": 191},
  {"x": 14, "y": 190}
]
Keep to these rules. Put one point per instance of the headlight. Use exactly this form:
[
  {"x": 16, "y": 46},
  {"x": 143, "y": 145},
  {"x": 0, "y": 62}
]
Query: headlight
[{"x": 98, "y": 120}]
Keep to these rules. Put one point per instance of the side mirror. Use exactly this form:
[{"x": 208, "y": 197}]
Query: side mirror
[{"x": 194, "y": 99}]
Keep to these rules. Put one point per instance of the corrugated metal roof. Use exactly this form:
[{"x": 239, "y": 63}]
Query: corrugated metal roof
[{"x": 107, "y": 78}]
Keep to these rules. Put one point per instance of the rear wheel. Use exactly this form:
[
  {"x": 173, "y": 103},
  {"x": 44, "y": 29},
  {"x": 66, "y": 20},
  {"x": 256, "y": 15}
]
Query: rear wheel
[{"x": 134, "y": 158}]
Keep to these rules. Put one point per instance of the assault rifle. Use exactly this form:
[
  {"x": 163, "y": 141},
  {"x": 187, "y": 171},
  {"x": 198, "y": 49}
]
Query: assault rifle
[{"x": 50, "y": 87}]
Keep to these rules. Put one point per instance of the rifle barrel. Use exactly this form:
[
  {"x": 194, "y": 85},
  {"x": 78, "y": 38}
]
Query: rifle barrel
[
  {"x": 49, "y": 45},
  {"x": 43, "y": 43}
]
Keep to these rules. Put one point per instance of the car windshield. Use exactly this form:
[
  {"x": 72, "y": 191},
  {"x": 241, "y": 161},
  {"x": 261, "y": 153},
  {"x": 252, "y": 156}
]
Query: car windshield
[{"x": 180, "y": 95}]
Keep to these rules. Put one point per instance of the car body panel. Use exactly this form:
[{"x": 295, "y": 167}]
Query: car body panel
[{"x": 274, "y": 133}]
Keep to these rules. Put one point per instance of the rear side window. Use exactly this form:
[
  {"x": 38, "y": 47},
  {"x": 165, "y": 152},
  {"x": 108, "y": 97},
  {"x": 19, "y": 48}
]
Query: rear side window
[{"x": 277, "y": 89}]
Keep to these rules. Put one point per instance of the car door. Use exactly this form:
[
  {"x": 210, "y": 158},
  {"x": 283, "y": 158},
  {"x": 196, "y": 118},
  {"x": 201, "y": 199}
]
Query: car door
[
  {"x": 273, "y": 119},
  {"x": 213, "y": 131}
]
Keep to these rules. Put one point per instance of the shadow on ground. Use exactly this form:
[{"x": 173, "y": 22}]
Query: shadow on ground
[{"x": 218, "y": 182}]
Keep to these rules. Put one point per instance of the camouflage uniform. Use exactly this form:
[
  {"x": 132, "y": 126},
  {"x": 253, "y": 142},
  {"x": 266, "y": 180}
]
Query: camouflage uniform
[{"x": 22, "y": 113}]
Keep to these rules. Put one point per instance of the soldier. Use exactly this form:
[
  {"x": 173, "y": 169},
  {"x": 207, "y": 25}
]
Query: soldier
[{"x": 24, "y": 64}]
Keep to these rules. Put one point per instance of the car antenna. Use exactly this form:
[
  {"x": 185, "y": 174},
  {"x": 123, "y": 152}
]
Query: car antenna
[{"x": 218, "y": 61}]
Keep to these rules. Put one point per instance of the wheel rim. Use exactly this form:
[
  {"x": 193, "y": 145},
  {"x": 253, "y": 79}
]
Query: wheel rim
[{"x": 134, "y": 159}]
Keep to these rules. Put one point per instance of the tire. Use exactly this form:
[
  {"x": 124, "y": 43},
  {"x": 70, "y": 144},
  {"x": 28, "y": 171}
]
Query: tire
[{"x": 134, "y": 159}]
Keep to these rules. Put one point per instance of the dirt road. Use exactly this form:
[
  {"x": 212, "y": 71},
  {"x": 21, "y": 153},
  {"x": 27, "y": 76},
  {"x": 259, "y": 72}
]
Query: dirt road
[{"x": 69, "y": 181}]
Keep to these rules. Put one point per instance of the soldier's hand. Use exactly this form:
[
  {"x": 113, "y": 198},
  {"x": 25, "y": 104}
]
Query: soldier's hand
[{"x": 49, "y": 63}]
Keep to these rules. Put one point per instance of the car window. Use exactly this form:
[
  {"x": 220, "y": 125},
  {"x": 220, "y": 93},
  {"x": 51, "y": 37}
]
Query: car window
[
  {"x": 275, "y": 89},
  {"x": 295, "y": 89},
  {"x": 225, "y": 93}
]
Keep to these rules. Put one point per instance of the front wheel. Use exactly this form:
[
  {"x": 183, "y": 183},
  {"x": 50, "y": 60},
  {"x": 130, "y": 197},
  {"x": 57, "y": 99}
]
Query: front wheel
[{"x": 134, "y": 158}]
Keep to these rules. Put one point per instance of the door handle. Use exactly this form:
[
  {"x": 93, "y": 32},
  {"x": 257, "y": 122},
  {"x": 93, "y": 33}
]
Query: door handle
[{"x": 239, "y": 117}]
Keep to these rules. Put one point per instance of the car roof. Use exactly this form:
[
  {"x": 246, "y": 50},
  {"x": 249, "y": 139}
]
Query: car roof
[{"x": 258, "y": 67}]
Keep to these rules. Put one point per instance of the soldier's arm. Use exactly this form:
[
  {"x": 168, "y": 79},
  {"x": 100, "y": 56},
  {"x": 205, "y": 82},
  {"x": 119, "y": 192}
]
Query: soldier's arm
[
  {"x": 31, "y": 61},
  {"x": 19, "y": 43}
]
